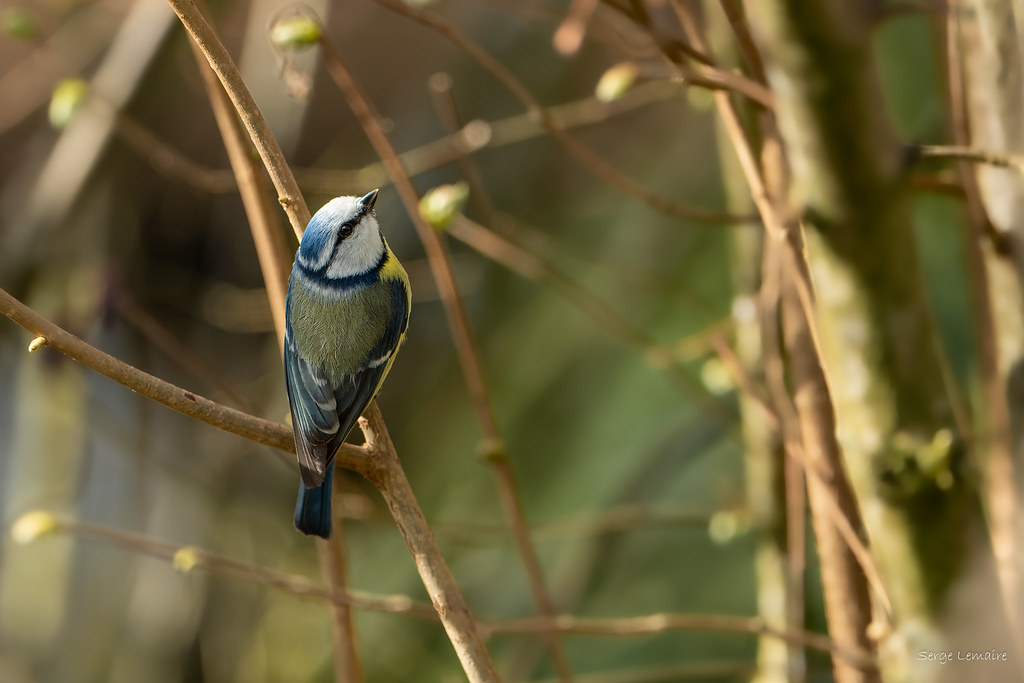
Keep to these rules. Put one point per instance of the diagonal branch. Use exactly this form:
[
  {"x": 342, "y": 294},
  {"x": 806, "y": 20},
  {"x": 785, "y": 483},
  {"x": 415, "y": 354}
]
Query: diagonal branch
[{"x": 185, "y": 402}]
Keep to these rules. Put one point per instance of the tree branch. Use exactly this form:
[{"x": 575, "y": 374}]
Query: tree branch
[{"x": 266, "y": 144}]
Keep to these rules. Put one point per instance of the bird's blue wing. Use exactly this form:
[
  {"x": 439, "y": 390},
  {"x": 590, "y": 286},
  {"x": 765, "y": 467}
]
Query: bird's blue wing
[
  {"x": 322, "y": 415},
  {"x": 314, "y": 415}
]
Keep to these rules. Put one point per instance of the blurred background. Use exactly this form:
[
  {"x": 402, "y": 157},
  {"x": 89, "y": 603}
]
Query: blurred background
[{"x": 120, "y": 221}]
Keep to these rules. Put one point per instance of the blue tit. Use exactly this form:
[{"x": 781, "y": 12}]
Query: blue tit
[{"x": 346, "y": 315}]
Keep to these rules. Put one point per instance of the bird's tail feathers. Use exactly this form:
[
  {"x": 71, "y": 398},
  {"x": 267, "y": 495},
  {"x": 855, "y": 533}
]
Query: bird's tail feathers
[{"x": 313, "y": 508}]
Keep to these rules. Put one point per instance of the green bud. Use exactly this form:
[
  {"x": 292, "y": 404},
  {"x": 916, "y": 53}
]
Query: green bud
[
  {"x": 616, "y": 81},
  {"x": 723, "y": 527},
  {"x": 715, "y": 377},
  {"x": 186, "y": 559},
  {"x": 18, "y": 23},
  {"x": 441, "y": 205},
  {"x": 68, "y": 97},
  {"x": 295, "y": 32},
  {"x": 33, "y": 525}
]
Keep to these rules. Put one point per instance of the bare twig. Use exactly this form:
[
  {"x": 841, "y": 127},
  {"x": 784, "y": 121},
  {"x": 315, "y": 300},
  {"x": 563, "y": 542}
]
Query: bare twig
[
  {"x": 1001, "y": 493},
  {"x": 714, "y": 78},
  {"x": 169, "y": 162},
  {"x": 965, "y": 153},
  {"x": 271, "y": 250},
  {"x": 190, "y": 558},
  {"x": 465, "y": 345},
  {"x": 475, "y": 136},
  {"x": 659, "y": 623},
  {"x": 266, "y": 144},
  {"x": 733, "y": 10},
  {"x": 348, "y": 666},
  {"x": 203, "y": 409},
  {"x": 580, "y": 152},
  {"x": 444, "y": 103}
]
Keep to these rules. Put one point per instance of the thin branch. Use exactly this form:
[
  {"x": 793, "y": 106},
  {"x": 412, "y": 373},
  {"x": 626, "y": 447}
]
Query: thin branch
[
  {"x": 1000, "y": 475},
  {"x": 537, "y": 269},
  {"x": 185, "y": 402},
  {"x": 266, "y": 144},
  {"x": 660, "y": 623},
  {"x": 348, "y": 666},
  {"x": 475, "y": 136},
  {"x": 191, "y": 558},
  {"x": 508, "y": 491},
  {"x": 271, "y": 249},
  {"x": 465, "y": 344},
  {"x": 715, "y": 78},
  {"x": 965, "y": 153},
  {"x": 733, "y": 10},
  {"x": 169, "y": 162},
  {"x": 624, "y": 518},
  {"x": 272, "y": 254},
  {"x": 711, "y": 670},
  {"x": 580, "y": 152}
]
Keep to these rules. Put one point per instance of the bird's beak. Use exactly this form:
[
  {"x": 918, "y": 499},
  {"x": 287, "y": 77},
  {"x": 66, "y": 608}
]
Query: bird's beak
[{"x": 369, "y": 200}]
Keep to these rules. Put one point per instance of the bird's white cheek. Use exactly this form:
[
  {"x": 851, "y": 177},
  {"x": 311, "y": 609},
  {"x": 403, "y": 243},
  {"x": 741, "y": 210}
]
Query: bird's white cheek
[{"x": 360, "y": 253}]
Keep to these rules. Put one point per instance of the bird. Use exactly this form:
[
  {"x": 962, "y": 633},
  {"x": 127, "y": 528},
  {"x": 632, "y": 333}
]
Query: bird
[{"x": 346, "y": 315}]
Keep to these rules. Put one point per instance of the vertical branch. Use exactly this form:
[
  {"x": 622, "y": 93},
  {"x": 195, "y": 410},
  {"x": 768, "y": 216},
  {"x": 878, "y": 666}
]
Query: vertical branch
[
  {"x": 987, "y": 270},
  {"x": 906, "y": 460},
  {"x": 774, "y": 483},
  {"x": 444, "y": 103},
  {"x": 259, "y": 132},
  {"x": 334, "y": 567},
  {"x": 433, "y": 570},
  {"x": 469, "y": 356},
  {"x": 271, "y": 251},
  {"x": 847, "y": 601}
]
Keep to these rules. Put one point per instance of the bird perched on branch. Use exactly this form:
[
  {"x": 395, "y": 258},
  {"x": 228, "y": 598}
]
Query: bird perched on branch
[{"x": 346, "y": 315}]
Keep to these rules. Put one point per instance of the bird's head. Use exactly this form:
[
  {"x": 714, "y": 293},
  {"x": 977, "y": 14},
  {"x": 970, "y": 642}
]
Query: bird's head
[{"x": 343, "y": 238}]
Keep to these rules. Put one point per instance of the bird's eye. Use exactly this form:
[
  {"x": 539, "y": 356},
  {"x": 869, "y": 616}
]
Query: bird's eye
[{"x": 346, "y": 230}]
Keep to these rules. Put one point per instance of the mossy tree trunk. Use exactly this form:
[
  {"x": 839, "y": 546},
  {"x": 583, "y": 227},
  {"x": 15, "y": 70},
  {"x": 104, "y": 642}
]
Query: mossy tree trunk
[
  {"x": 895, "y": 421},
  {"x": 988, "y": 113}
]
